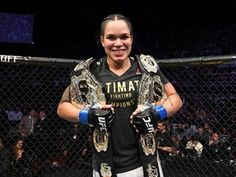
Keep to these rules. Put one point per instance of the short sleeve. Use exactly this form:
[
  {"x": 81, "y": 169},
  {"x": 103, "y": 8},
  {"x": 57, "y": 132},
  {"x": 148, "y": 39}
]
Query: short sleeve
[{"x": 66, "y": 95}]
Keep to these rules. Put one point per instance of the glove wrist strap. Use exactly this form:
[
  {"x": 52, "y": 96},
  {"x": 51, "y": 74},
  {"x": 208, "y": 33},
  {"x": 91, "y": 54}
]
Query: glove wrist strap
[
  {"x": 83, "y": 116},
  {"x": 161, "y": 111}
]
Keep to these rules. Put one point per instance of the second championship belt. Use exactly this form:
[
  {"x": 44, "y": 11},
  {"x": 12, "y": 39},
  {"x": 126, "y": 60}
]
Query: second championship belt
[
  {"x": 151, "y": 90},
  {"x": 86, "y": 90}
]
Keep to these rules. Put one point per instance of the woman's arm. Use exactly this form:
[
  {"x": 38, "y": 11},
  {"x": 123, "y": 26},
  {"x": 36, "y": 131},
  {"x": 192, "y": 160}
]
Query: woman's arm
[
  {"x": 173, "y": 101},
  {"x": 68, "y": 109}
]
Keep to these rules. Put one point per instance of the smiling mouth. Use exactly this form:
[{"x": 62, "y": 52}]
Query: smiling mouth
[{"x": 119, "y": 52}]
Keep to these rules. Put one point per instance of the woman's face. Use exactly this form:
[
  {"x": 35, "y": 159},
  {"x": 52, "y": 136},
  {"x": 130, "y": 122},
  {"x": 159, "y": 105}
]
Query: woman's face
[
  {"x": 19, "y": 144},
  {"x": 117, "y": 40}
]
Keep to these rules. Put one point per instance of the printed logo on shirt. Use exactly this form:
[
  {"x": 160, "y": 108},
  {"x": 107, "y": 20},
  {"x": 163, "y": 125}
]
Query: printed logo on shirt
[{"x": 122, "y": 93}]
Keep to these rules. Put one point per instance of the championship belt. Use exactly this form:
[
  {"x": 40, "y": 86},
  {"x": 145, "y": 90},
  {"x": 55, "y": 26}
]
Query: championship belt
[
  {"x": 151, "y": 90},
  {"x": 86, "y": 90}
]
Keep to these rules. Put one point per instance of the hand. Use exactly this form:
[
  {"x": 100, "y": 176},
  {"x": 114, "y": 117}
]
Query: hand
[
  {"x": 100, "y": 118},
  {"x": 145, "y": 121}
]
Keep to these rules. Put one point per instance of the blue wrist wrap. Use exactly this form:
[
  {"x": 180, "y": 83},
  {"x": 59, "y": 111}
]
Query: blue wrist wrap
[
  {"x": 161, "y": 111},
  {"x": 83, "y": 116}
]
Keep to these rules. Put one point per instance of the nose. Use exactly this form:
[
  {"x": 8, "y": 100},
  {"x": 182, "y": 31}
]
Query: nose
[{"x": 118, "y": 42}]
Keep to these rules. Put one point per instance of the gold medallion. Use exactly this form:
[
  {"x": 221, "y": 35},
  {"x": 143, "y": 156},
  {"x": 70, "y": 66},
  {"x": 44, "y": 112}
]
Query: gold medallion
[
  {"x": 100, "y": 140},
  {"x": 149, "y": 63},
  {"x": 148, "y": 143},
  {"x": 152, "y": 171},
  {"x": 87, "y": 89},
  {"x": 105, "y": 170}
]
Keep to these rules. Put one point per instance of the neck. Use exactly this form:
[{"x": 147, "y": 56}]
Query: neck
[{"x": 119, "y": 68}]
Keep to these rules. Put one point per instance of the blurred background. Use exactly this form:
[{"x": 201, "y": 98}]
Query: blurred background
[{"x": 166, "y": 29}]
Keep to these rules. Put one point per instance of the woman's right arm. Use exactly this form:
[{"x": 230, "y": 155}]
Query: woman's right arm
[{"x": 67, "y": 109}]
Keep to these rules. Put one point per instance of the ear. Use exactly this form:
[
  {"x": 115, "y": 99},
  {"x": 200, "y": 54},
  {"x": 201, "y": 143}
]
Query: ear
[{"x": 102, "y": 40}]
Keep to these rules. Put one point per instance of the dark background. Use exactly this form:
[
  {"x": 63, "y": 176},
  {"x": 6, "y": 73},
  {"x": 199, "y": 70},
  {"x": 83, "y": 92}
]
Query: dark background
[{"x": 69, "y": 29}]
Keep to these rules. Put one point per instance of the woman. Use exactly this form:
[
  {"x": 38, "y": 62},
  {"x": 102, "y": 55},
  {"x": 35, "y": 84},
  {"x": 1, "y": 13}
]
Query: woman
[
  {"x": 104, "y": 93},
  {"x": 21, "y": 160}
]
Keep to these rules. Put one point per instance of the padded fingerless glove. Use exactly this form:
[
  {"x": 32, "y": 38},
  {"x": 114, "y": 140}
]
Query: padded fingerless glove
[
  {"x": 146, "y": 121},
  {"x": 98, "y": 118}
]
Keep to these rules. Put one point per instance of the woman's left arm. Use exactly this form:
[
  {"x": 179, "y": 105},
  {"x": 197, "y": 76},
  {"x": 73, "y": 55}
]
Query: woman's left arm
[{"x": 172, "y": 103}]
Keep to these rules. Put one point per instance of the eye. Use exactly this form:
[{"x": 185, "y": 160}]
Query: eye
[
  {"x": 124, "y": 37},
  {"x": 110, "y": 37}
]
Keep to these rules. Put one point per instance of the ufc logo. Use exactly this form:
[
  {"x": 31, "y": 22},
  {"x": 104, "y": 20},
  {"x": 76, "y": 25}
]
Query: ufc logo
[
  {"x": 149, "y": 125},
  {"x": 102, "y": 123}
]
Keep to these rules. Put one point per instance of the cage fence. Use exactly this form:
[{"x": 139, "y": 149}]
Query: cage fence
[{"x": 31, "y": 88}]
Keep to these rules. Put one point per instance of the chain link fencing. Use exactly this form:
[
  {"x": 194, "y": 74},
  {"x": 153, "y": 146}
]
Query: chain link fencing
[{"x": 31, "y": 88}]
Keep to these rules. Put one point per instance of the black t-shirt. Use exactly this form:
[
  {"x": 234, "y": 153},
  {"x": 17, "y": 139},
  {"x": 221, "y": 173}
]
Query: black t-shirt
[{"x": 121, "y": 92}]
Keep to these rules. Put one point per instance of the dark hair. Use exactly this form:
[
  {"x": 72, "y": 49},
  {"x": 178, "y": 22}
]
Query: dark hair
[
  {"x": 194, "y": 138},
  {"x": 115, "y": 17},
  {"x": 165, "y": 123}
]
